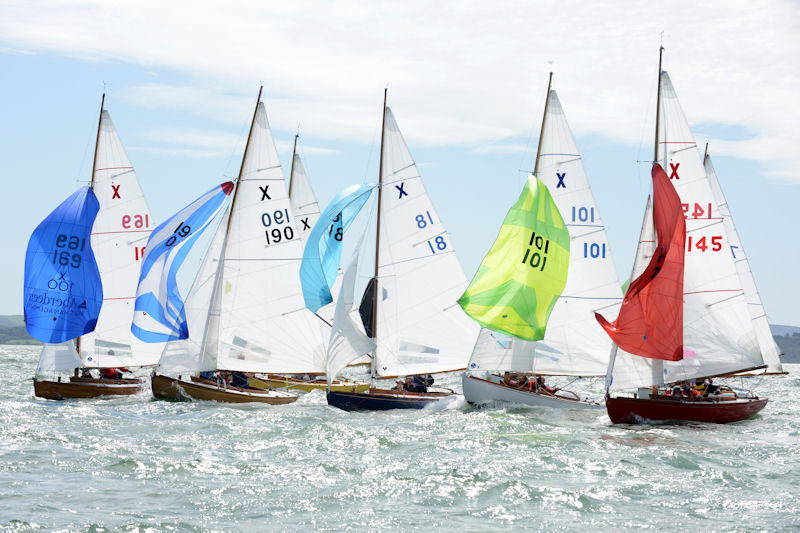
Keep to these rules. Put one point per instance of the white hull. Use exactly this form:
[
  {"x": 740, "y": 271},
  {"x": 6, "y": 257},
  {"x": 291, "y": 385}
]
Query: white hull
[{"x": 482, "y": 391}]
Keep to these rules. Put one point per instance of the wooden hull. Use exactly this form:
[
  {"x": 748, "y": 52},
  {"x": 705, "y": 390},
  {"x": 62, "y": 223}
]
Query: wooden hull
[
  {"x": 280, "y": 382},
  {"x": 482, "y": 391},
  {"x": 167, "y": 388},
  {"x": 384, "y": 399},
  {"x": 86, "y": 388},
  {"x": 640, "y": 410}
]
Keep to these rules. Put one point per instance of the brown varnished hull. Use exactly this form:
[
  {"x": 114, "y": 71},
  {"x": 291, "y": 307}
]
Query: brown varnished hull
[
  {"x": 167, "y": 388},
  {"x": 86, "y": 388}
]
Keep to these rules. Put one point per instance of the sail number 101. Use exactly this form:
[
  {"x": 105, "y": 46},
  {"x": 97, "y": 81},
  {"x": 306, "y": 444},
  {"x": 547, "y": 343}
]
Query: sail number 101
[{"x": 536, "y": 255}]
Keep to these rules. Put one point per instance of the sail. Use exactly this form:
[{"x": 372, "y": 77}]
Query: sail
[
  {"x": 719, "y": 336},
  {"x": 650, "y": 322},
  {"x": 574, "y": 343},
  {"x": 304, "y": 202},
  {"x": 63, "y": 294},
  {"x": 323, "y": 249},
  {"x": 118, "y": 239},
  {"x": 348, "y": 341},
  {"x": 262, "y": 324},
  {"x": 202, "y": 314},
  {"x": 522, "y": 275},
  {"x": 55, "y": 357},
  {"x": 159, "y": 314},
  {"x": 420, "y": 328},
  {"x": 769, "y": 349}
]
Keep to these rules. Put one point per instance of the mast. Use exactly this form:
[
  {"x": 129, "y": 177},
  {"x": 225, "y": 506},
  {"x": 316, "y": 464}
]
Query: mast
[
  {"x": 541, "y": 132},
  {"x": 658, "y": 364},
  {"x": 244, "y": 158},
  {"x": 91, "y": 183},
  {"x": 658, "y": 105},
  {"x": 378, "y": 238},
  {"x": 291, "y": 168}
]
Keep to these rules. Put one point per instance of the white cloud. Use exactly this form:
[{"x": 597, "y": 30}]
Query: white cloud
[{"x": 459, "y": 73}]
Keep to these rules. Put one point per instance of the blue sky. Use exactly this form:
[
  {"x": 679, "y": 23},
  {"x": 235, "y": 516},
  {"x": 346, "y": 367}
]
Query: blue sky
[{"x": 467, "y": 86}]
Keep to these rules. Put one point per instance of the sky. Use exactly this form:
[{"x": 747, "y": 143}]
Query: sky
[{"x": 466, "y": 80}]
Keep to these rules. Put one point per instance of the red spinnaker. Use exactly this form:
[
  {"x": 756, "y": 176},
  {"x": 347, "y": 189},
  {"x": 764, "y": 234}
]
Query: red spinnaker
[{"x": 650, "y": 321}]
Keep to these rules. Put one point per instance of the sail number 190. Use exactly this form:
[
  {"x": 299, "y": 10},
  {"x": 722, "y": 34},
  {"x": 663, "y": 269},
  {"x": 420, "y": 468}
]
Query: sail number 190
[{"x": 276, "y": 234}]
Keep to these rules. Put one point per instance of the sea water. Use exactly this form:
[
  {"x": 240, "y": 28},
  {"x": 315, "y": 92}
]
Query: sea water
[{"x": 136, "y": 464}]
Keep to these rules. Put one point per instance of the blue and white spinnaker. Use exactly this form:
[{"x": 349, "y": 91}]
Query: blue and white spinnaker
[
  {"x": 159, "y": 314},
  {"x": 323, "y": 251}
]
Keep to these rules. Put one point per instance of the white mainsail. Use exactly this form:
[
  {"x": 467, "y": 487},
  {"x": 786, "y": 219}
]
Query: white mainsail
[
  {"x": 769, "y": 349},
  {"x": 574, "y": 343},
  {"x": 119, "y": 235},
  {"x": 256, "y": 317},
  {"x": 719, "y": 336},
  {"x": 420, "y": 327}
]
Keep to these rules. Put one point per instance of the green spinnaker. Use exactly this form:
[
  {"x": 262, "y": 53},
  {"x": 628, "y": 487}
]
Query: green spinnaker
[{"x": 522, "y": 276}]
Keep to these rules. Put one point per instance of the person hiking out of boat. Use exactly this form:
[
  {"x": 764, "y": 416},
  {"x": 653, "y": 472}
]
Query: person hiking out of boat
[
  {"x": 542, "y": 386},
  {"x": 207, "y": 375},
  {"x": 400, "y": 385},
  {"x": 87, "y": 373}
]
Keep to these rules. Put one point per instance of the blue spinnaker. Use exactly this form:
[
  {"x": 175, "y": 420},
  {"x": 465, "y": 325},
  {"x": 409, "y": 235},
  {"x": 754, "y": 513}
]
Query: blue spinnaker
[
  {"x": 63, "y": 293},
  {"x": 323, "y": 251},
  {"x": 159, "y": 314}
]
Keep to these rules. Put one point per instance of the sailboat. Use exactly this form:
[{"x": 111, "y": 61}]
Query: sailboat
[
  {"x": 770, "y": 351},
  {"x": 118, "y": 239},
  {"x": 573, "y": 344},
  {"x": 411, "y": 323},
  {"x": 245, "y": 311},
  {"x": 718, "y": 333},
  {"x": 306, "y": 213}
]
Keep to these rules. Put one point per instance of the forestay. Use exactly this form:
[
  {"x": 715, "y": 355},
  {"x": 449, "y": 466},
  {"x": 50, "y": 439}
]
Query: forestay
[
  {"x": 719, "y": 336},
  {"x": 420, "y": 328},
  {"x": 63, "y": 294},
  {"x": 159, "y": 314},
  {"x": 118, "y": 239}
]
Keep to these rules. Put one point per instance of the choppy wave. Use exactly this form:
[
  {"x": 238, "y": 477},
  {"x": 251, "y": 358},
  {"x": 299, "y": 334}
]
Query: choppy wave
[{"x": 135, "y": 464}]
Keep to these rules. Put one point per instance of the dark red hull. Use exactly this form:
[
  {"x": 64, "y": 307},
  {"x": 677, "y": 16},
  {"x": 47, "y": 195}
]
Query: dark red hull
[{"x": 640, "y": 410}]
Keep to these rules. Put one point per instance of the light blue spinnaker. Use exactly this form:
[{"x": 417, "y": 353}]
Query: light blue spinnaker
[
  {"x": 63, "y": 292},
  {"x": 159, "y": 314},
  {"x": 323, "y": 251}
]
